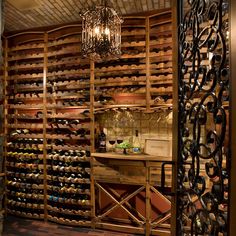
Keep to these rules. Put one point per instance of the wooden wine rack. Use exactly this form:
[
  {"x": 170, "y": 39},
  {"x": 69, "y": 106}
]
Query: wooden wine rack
[
  {"x": 51, "y": 98},
  {"x": 24, "y": 163}
]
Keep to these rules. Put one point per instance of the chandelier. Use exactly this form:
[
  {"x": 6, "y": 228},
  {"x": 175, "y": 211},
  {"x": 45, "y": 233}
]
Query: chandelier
[{"x": 101, "y": 32}]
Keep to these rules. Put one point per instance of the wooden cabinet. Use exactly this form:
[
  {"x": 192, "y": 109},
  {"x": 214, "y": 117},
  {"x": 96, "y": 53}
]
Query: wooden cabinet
[{"x": 128, "y": 195}]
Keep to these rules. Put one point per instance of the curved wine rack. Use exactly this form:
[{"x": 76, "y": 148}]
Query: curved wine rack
[
  {"x": 24, "y": 145},
  {"x": 51, "y": 97},
  {"x": 203, "y": 161}
]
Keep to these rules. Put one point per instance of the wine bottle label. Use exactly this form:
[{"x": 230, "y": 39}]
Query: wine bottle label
[
  {"x": 136, "y": 149},
  {"x": 102, "y": 143}
]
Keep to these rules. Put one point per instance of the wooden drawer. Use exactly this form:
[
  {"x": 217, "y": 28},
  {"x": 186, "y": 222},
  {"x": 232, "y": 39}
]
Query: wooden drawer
[{"x": 119, "y": 171}]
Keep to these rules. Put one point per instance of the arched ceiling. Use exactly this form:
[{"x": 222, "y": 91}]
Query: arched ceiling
[{"x": 22, "y": 15}]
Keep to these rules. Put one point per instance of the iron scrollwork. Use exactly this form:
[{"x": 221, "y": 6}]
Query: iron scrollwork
[{"x": 203, "y": 161}]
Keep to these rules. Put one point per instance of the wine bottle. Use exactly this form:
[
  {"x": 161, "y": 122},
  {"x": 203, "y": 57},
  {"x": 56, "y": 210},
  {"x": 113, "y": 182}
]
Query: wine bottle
[
  {"x": 102, "y": 141},
  {"x": 136, "y": 143}
]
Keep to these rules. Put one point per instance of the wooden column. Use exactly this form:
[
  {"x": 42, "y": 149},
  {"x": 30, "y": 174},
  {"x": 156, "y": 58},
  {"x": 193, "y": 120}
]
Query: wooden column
[
  {"x": 92, "y": 75},
  {"x": 5, "y": 104},
  {"x": 45, "y": 70},
  {"x": 232, "y": 128},
  {"x": 148, "y": 200},
  {"x": 175, "y": 114},
  {"x": 92, "y": 140}
]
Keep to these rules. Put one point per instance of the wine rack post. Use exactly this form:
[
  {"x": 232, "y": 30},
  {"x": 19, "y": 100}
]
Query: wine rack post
[
  {"x": 148, "y": 86},
  {"x": 5, "y": 104},
  {"x": 92, "y": 130},
  {"x": 92, "y": 140},
  {"x": 148, "y": 200},
  {"x": 160, "y": 58},
  {"x": 175, "y": 144},
  {"x": 45, "y": 71}
]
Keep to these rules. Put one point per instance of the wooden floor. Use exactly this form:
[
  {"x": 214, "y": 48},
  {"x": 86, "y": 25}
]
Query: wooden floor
[{"x": 14, "y": 226}]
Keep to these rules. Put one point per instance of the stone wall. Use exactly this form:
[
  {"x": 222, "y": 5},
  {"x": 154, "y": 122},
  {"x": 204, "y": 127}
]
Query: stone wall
[{"x": 122, "y": 123}]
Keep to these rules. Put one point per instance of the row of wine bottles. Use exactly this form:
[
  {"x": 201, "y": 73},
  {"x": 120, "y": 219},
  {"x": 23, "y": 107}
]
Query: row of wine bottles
[
  {"x": 25, "y": 142},
  {"x": 24, "y": 174},
  {"x": 64, "y": 218},
  {"x": 57, "y": 160},
  {"x": 71, "y": 179},
  {"x": 71, "y": 199},
  {"x": 64, "y": 210},
  {"x": 24, "y": 165},
  {"x": 24, "y": 154},
  {"x": 24, "y": 203},
  {"x": 37, "y": 142},
  {"x": 67, "y": 171},
  {"x": 70, "y": 188},
  {"x": 25, "y": 212},
  {"x": 77, "y": 132}
]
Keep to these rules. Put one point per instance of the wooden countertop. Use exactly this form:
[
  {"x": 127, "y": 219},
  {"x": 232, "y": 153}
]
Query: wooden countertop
[{"x": 133, "y": 157}]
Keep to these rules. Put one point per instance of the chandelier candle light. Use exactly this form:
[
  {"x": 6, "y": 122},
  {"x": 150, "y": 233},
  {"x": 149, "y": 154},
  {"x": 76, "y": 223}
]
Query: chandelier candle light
[{"x": 101, "y": 32}]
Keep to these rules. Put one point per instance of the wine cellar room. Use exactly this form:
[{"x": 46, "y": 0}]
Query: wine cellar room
[{"x": 114, "y": 117}]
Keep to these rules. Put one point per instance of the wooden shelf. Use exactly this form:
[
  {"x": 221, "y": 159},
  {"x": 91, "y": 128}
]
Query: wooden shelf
[
  {"x": 68, "y": 180},
  {"x": 26, "y": 215},
  {"x": 69, "y": 116},
  {"x": 27, "y": 117},
  {"x": 51, "y": 136},
  {"x": 71, "y": 201},
  {"x": 28, "y": 196},
  {"x": 26, "y": 47},
  {"x": 64, "y": 51},
  {"x": 68, "y": 61},
  {"x": 26, "y": 66},
  {"x": 68, "y": 72},
  {"x": 129, "y": 157},
  {"x": 26, "y": 76},
  {"x": 21, "y": 165},
  {"x": 26, "y": 205},
  {"x": 70, "y": 212},
  {"x": 68, "y": 190},
  {"x": 68, "y": 169},
  {"x": 26, "y": 57},
  {"x": 65, "y": 107},
  {"x": 70, "y": 222},
  {"x": 67, "y": 147},
  {"x": 22, "y": 185},
  {"x": 61, "y": 42}
]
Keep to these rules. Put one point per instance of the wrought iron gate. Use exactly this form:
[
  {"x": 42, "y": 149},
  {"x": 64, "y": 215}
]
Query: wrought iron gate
[{"x": 203, "y": 101}]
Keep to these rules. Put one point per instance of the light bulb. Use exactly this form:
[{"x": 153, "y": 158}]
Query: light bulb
[
  {"x": 96, "y": 30},
  {"x": 227, "y": 34},
  {"x": 107, "y": 31}
]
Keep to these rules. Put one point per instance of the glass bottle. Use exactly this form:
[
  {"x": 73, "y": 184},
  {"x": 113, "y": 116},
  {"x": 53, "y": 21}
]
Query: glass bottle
[
  {"x": 136, "y": 143},
  {"x": 102, "y": 141}
]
